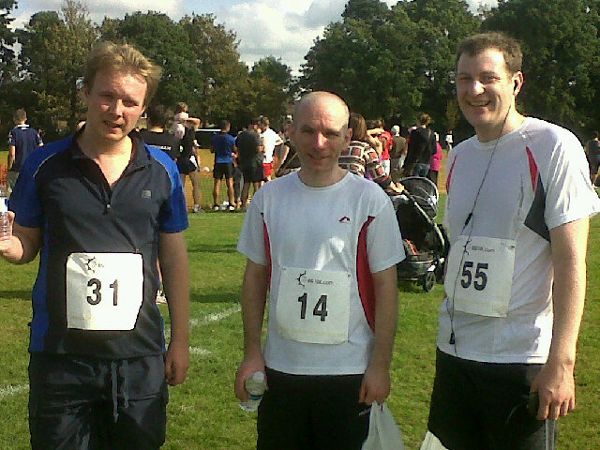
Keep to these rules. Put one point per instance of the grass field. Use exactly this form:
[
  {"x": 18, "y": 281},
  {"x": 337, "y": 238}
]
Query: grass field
[{"x": 203, "y": 413}]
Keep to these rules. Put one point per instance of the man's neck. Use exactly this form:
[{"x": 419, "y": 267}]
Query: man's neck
[
  {"x": 96, "y": 148},
  {"x": 322, "y": 179},
  {"x": 512, "y": 122},
  {"x": 156, "y": 129}
]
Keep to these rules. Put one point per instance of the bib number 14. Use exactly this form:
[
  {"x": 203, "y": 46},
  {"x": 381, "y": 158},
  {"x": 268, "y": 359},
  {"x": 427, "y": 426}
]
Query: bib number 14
[{"x": 319, "y": 310}]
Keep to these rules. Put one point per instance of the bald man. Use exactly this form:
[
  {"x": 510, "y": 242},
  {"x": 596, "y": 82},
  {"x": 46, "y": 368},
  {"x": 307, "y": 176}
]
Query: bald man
[{"x": 324, "y": 243}]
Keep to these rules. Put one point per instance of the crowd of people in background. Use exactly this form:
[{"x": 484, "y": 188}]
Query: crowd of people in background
[
  {"x": 248, "y": 157},
  {"x": 254, "y": 155}
]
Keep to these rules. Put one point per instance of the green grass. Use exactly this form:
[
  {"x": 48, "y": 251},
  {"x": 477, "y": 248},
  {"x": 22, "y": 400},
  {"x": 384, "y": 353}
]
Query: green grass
[{"x": 203, "y": 412}]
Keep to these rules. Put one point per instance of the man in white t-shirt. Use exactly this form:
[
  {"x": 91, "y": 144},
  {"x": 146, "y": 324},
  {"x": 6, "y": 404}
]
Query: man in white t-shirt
[
  {"x": 270, "y": 140},
  {"x": 324, "y": 243},
  {"x": 517, "y": 212}
]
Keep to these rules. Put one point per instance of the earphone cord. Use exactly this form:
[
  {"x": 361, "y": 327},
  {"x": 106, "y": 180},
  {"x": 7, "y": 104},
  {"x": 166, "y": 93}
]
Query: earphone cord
[{"x": 450, "y": 311}]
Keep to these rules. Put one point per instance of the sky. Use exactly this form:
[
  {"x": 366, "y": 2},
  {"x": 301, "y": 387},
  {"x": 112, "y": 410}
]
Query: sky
[{"x": 285, "y": 29}]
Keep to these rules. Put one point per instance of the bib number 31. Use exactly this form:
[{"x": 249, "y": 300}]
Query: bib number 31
[{"x": 104, "y": 290}]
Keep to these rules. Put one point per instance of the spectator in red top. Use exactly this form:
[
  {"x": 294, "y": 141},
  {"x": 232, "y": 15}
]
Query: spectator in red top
[{"x": 435, "y": 162}]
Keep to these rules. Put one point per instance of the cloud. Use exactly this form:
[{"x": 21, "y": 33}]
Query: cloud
[{"x": 274, "y": 28}]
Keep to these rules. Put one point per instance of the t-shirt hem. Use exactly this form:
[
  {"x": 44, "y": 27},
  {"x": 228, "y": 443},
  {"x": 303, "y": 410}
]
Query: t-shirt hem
[
  {"x": 492, "y": 358},
  {"x": 317, "y": 370}
]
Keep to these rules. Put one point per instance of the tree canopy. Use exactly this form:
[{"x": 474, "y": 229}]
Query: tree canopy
[{"x": 386, "y": 62}]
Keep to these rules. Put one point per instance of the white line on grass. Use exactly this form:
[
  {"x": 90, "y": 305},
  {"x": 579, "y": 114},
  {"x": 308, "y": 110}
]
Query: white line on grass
[
  {"x": 7, "y": 391},
  {"x": 199, "y": 351},
  {"x": 209, "y": 318},
  {"x": 215, "y": 317}
]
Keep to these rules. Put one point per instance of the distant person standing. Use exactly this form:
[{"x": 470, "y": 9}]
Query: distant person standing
[
  {"x": 421, "y": 145},
  {"x": 270, "y": 140},
  {"x": 182, "y": 119},
  {"x": 22, "y": 141},
  {"x": 188, "y": 164},
  {"x": 250, "y": 159},
  {"x": 156, "y": 134},
  {"x": 223, "y": 146},
  {"x": 397, "y": 153},
  {"x": 449, "y": 139},
  {"x": 592, "y": 150},
  {"x": 435, "y": 162}
]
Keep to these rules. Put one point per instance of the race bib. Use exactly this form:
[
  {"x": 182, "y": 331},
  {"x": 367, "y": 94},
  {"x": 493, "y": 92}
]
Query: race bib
[
  {"x": 479, "y": 275},
  {"x": 313, "y": 306},
  {"x": 104, "y": 290}
]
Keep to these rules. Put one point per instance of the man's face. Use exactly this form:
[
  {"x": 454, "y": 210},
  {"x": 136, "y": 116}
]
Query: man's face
[
  {"x": 320, "y": 133},
  {"x": 114, "y": 102},
  {"x": 486, "y": 90}
]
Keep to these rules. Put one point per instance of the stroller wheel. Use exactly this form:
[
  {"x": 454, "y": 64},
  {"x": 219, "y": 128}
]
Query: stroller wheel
[{"x": 428, "y": 281}]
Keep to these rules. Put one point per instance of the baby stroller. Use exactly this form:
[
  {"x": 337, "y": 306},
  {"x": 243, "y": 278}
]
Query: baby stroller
[{"x": 425, "y": 242}]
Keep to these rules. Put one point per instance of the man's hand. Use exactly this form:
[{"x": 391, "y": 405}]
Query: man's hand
[
  {"x": 246, "y": 369},
  {"x": 177, "y": 362},
  {"x": 375, "y": 385},
  {"x": 395, "y": 189},
  {"x": 555, "y": 386},
  {"x": 5, "y": 241}
]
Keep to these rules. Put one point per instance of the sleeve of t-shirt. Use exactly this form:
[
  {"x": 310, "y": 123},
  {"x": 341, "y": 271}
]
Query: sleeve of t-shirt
[
  {"x": 11, "y": 138},
  {"x": 384, "y": 242},
  {"x": 570, "y": 195},
  {"x": 252, "y": 237},
  {"x": 24, "y": 200},
  {"x": 173, "y": 214}
]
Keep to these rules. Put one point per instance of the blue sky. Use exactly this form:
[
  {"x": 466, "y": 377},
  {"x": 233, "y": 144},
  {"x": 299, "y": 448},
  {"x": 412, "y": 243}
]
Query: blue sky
[{"x": 285, "y": 29}]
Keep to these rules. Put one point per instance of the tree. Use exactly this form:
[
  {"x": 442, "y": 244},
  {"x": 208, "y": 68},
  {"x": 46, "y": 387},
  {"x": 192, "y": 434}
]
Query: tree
[
  {"x": 560, "y": 45},
  {"x": 167, "y": 44},
  {"x": 223, "y": 88},
  {"x": 442, "y": 24},
  {"x": 391, "y": 63},
  {"x": 272, "y": 79},
  {"x": 53, "y": 54},
  {"x": 7, "y": 64}
]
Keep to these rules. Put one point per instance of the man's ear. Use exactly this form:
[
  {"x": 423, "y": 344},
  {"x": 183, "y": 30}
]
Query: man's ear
[{"x": 518, "y": 82}]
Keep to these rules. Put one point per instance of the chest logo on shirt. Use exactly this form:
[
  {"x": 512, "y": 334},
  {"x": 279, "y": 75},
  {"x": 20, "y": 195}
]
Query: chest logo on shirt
[
  {"x": 92, "y": 264},
  {"x": 302, "y": 275},
  {"x": 344, "y": 219},
  {"x": 146, "y": 193}
]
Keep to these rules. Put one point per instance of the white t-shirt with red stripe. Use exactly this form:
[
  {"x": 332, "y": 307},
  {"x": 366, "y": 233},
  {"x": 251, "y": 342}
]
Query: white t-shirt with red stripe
[
  {"x": 347, "y": 227},
  {"x": 537, "y": 180}
]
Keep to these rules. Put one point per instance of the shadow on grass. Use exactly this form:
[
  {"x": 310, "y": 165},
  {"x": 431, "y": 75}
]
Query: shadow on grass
[
  {"x": 16, "y": 294},
  {"x": 215, "y": 297},
  {"x": 202, "y": 248}
]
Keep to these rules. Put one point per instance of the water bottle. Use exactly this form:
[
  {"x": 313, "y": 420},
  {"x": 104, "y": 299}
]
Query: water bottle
[
  {"x": 5, "y": 230},
  {"x": 255, "y": 386}
]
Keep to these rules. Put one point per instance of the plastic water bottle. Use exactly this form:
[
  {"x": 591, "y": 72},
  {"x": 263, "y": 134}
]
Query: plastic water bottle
[
  {"x": 4, "y": 222},
  {"x": 255, "y": 386}
]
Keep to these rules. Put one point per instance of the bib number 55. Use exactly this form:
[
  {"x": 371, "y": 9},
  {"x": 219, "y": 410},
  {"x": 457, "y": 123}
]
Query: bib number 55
[{"x": 474, "y": 275}]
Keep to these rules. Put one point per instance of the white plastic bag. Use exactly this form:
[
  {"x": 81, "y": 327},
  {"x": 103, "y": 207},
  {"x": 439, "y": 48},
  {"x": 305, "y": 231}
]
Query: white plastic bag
[
  {"x": 384, "y": 433},
  {"x": 431, "y": 442}
]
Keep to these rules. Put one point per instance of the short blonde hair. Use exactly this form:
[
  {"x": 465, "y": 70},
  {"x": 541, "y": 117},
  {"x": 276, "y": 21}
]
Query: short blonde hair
[{"x": 122, "y": 57}]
